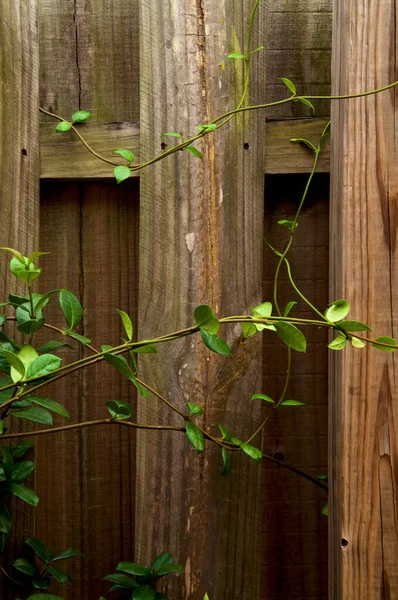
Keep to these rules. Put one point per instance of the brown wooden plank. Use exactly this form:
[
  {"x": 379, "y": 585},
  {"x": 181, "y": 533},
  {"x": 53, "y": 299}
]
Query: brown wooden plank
[
  {"x": 200, "y": 241},
  {"x": 19, "y": 181},
  {"x": 299, "y": 43},
  {"x": 282, "y": 156},
  {"x": 89, "y": 58},
  {"x": 87, "y": 488},
  {"x": 294, "y": 533},
  {"x": 363, "y": 407},
  {"x": 63, "y": 156}
]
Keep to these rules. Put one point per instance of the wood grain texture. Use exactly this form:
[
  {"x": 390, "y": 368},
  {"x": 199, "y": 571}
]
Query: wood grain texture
[
  {"x": 283, "y": 156},
  {"x": 200, "y": 242},
  {"x": 89, "y": 58},
  {"x": 294, "y": 532},
  {"x": 363, "y": 395},
  {"x": 299, "y": 47},
  {"x": 86, "y": 478},
  {"x": 63, "y": 156},
  {"x": 19, "y": 180}
]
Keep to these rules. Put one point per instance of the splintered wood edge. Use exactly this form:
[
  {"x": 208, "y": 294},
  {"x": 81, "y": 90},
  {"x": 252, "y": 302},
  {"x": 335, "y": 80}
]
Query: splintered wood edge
[{"x": 63, "y": 156}]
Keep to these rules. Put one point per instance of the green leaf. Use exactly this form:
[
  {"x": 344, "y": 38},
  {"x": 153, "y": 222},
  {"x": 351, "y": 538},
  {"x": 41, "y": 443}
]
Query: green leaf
[
  {"x": 20, "y": 451},
  {"x": 166, "y": 569},
  {"x": 227, "y": 462},
  {"x": 305, "y": 142},
  {"x": 353, "y": 326},
  {"x": 7, "y": 461},
  {"x": 37, "y": 415},
  {"x": 121, "y": 173},
  {"x": 52, "y": 405},
  {"x": 146, "y": 349},
  {"x": 262, "y": 397},
  {"x": 71, "y": 308},
  {"x": 16, "y": 300},
  {"x": 118, "y": 362},
  {"x": 173, "y": 134},
  {"x": 385, "y": 339},
  {"x": 194, "y": 151},
  {"x": 17, "y": 366},
  {"x": 195, "y": 436},
  {"x": 253, "y": 452},
  {"x": 166, "y": 558},
  {"x": 133, "y": 569},
  {"x": 206, "y": 128},
  {"x": 63, "y": 126},
  {"x": 44, "y": 300},
  {"x": 42, "y": 552},
  {"x": 322, "y": 477},
  {"x": 236, "y": 55},
  {"x": 194, "y": 409},
  {"x": 24, "y": 493},
  {"x": 32, "y": 257},
  {"x": 357, "y": 343},
  {"x": 21, "y": 471},
  {"x": 26, "y": 566},
  {"x": 123, "y": 581},
  {"x": 325, "y": 510},
  {"x": 58, "y": 574},
  {"x": 26, "y": 274},
  {"x": 291, "y": 225},
  {"x": 5, "y": 520},
  {"x": 337, "y": 310},
  {"x": 3, "y": 319},
  {"x": 119, "y": 411},
  {"x": 215, "y": 344},
  {"x": 338, "y": 343},
  {"x": 41, "y": 583},
  {"x": 249, "y": 329},
  {"x": 257, "y": 49},
  {"x": 80, "y": 338},
  {"x": 80, "y": 116},
  {"x": 18, "y": 255},
  {"x": 44, "y": 597},
  {"x": 288, "y": 308},
  {"x": 51, "y": 346},
  {"x": 66, "y": 554},
  {"x": 292, "y": 403},
  {"x": 128, "y": 326},
  {"x": 226, "y": 434},
  {"x": 263, "y": 310},
  {"x": 43, "y": 365},
  {"x": 307, "y": 103},
  {"x": 24, "y": 403},
  {"x": 291, "y": 336},
  {"x": 126, "y": 154},
  {"x": 205, "y": 319},
  {"x": 289, "y": 84},
  {"x": 141, "y": 390},
  {"x": 144, "y": 592},
  {"x": 31, "y": 326}
]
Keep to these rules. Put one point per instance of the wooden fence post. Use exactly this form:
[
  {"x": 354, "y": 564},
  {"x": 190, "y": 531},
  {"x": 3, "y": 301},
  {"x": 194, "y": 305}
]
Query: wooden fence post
[
  {"x": 19, "y": 169},
  {"x": 363, "y": 401},
  {"x": 200, "y": 242}
]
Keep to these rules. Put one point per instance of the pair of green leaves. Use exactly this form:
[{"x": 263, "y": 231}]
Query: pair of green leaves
[
  {"x": 288, "y": 333},
  {"x": 28, "y": 364},
  {"x": 80, "y": 116},
  {"x": 266, "y": 398},
  {"x": 209, "y": 326},
  {"x": 12, "y": 475}
]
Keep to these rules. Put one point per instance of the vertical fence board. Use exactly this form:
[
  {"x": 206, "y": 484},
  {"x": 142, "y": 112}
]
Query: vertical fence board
[
  {"x": 363, "y": 400},
  {"x": 200, "y": 242},
  {"x": 19, "y": 173},
  {"x": 86, "y": 478}
]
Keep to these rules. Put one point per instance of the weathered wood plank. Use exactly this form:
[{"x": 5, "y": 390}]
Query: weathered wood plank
[
  {"x": 282, "y": 156},
  {"x": 294, "y": 532},
  {"x": 19, "y": 180},
  {"x": 298, "y": 47},
  {"x": 363, "y": 395},
  {"x": 87, "y": 488},
  {"x": 63, "y": 156},
  {"x": 200, "y": 242},
  {"x": 89, "y": 58}
]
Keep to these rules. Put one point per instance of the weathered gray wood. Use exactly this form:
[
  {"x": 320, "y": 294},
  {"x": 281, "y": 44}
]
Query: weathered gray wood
[
  {"x": 299, "y": 43},
  {"x": 19, "y": 179},
  {"x": 282, "y": 156},
  {"x": 63, "y": 156},
  {"x": 363, "y": 395},
  {"x": 201, "y": 242}
]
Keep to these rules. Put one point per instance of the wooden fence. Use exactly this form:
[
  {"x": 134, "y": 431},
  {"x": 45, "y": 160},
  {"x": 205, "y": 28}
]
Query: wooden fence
[{"x": 144, "y": 247}]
